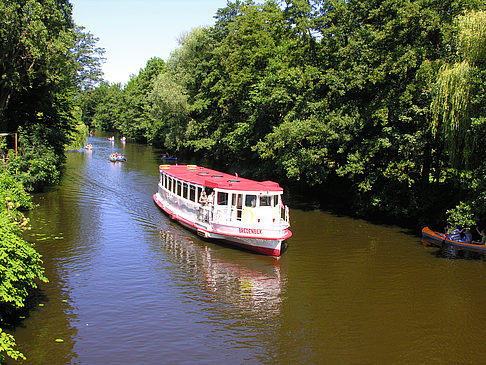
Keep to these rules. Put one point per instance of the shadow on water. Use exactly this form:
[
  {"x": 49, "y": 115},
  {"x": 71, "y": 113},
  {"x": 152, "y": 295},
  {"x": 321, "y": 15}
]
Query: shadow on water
[{"x": 444, "y": 251}]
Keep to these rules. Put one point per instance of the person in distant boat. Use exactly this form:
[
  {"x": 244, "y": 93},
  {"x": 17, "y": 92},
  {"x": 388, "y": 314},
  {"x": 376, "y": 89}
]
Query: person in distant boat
[
  {"x": 203, "y": 199},
  {"x": 483, "y": 237}
]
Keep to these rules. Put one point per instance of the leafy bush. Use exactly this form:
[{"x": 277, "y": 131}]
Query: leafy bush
[
  {"x": 78, "y": 137},
  {"x": 20, "y": 263},
  {"x": 12, "y": 190},
  {"x": 36, "y": 168},
  {"x": 7, "y": 344},
  {"x": 461, "y": 216}
]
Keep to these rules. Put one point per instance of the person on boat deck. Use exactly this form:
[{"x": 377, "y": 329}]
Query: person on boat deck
[
  {"x": 211, "y": 198},
  {"x": 203, "y": 199},
  {"x": 483, "y": 237}
]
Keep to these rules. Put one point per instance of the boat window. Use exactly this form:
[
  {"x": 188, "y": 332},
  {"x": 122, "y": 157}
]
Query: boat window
[
  {"x": 276, "y": 200},
  {"x": 265, "y": 200},
  {"x": 184, "y": 190},
  {"x": 199, "y": 191},
  {"x": 179, "y": 188},
  {"x": 250, "y": 201},
  {"x": 192, "y": 193},
  {"x": 237, "y": 200},
  {"x": 222, "y": 198},
  {"x": 169, "y": 185}
]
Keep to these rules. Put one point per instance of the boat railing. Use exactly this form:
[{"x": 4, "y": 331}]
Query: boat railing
[
  {"x": 217, "y": 214},
  {"x": 221, "y": 214},
  {"x": 204, "y": 213}
]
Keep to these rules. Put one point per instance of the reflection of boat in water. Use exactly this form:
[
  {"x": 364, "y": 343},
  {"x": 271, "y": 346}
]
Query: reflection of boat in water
[
  {"x": 252, "y": 285},
  {"x": 243, "y": 212},
  {"x": 115, "y": 157},
  {"x": 442, "y": 240}
]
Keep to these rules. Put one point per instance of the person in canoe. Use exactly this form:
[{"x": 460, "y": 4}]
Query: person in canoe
[
  {"x": 453, "y": 234},
  {"x": 482, "y": 241},
  {"x": 467, "y": 235}
]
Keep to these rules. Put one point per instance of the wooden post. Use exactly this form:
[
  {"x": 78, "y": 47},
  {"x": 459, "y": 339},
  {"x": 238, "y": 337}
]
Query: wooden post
[{"x": 15, "y": 144}]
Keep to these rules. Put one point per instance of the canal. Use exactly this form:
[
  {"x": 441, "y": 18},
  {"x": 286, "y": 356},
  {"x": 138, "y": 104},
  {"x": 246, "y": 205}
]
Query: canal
[{"x": 130, "y": 286}]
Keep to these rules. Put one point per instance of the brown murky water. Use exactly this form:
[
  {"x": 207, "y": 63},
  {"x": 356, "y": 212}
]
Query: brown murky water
[{"x": 129, "y": 286}]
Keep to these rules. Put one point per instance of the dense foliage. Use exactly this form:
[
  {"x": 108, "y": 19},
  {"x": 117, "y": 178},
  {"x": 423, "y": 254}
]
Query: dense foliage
[
  {"x": 46, "y": 61},
  {"x": 379, "y": 104},
  {"x": 20, "y": 264}
]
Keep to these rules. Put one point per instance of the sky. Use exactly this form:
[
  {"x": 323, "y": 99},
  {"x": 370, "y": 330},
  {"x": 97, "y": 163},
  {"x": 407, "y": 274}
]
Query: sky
[{"x": 133, "y": 31}]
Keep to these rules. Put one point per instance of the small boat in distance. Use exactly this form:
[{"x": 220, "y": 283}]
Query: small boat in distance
[
  {"x": 443, "y": 240},
  {"x": 167, "y": 157},
  {"x": 215, "y": 205},
  {"x": 88, "y": 147},
  {"x": 115, "y": 157}
]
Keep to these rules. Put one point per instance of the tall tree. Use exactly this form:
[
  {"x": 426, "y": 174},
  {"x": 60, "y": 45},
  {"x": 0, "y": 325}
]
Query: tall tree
[
  {"x": 457, "y": 109},
  {"x": 135, "y": 116}
]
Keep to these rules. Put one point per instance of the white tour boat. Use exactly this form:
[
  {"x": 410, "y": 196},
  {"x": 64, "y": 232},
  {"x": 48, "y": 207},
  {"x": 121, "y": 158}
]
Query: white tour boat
[{"x": 240, "y": 211}]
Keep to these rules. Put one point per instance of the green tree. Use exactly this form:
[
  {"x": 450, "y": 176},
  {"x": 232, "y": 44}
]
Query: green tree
[
  {"x": 367, "y": 117},
  {"x": 102, "y": 106},
  {"x": 457, "y": 108},
  {"x": 87, "y": 60},
  {"x": 170, "y": 113},
  {"x": 135, "y": 110}
]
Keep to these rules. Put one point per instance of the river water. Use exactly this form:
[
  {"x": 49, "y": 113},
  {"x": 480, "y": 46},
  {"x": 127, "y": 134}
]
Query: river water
[{"x": 130, "y": 286}]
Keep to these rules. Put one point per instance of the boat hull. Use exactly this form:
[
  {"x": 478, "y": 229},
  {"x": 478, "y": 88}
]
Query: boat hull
[
  {"x": 271, "y": 246},
  {"x": 433, "y": 237}
]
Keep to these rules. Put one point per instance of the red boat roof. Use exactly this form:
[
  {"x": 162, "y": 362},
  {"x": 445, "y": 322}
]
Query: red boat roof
[{"x": 215, "y": 179}]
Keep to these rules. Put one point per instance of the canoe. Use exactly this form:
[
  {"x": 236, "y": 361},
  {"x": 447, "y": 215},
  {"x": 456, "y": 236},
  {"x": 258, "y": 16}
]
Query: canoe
[
  {"x": 166, "y": 158},
  {"x": 118, "y": 158},
  {"x": 441, "y": 240},
  {"x": 433, "y": 237}
]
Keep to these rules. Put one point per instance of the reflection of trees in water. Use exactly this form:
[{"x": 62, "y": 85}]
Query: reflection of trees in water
[{"x": 248, "y": 285}]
